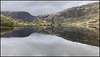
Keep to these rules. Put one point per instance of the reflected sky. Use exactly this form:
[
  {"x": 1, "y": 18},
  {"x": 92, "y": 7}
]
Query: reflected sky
[
  {"x": 45, "y": 45},
  {"x": 88, "y": 36}
]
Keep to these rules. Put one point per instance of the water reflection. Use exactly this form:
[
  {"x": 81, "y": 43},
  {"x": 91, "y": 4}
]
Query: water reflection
[
  {"x": 19, "y": 33},
  {"x": 82, "y": 35},
  {"x": 45, "y": 45}
]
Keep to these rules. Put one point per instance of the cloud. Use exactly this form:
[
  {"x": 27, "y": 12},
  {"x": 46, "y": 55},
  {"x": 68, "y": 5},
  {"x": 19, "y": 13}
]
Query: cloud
[{"x": 40, "y": 7}]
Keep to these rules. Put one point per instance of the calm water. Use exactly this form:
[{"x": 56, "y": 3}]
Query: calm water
[{"x": 50, "y": 41}]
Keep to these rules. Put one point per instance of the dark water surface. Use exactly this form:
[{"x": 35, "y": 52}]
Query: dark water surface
[{"x": 50, "y": 41}]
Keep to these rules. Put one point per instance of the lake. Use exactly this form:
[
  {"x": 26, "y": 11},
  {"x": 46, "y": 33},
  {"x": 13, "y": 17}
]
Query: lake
[{"x": 50, "y": 41}]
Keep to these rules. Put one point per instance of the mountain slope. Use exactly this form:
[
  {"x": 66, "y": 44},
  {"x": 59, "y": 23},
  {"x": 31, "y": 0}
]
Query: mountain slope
[
  {"x": 84, "y": 14},
  {"x": 10, "y": 22},
  {"x": 25, "y": 16}
]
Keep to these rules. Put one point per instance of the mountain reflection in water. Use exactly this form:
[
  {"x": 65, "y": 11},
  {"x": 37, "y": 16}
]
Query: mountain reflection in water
[{"x": 82, "y": 35}]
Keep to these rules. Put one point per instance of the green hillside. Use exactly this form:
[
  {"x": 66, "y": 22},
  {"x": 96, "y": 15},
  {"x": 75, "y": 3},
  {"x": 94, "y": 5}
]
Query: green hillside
[
  {"x": 10, "y": 22},
  {"x": 85, "y": 14},
  {"x": 81, "y": 15}
]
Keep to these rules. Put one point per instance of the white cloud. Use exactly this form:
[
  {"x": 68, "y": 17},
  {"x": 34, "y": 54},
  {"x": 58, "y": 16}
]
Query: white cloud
[{"x": 40, "y": 7}]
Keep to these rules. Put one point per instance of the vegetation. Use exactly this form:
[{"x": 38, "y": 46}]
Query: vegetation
[
  {"x": 20, "y": 15},
  {"x": 81, "y": 15},
  {"x": 85, "y": 15},
  {"x": 77, "y": 16},
  {"x": 10, "y": 22}
]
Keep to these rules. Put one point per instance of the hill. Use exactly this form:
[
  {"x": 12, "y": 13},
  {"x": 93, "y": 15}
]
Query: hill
[
  {"x": 85, "y": 14},
  {"x": 25, "y": 16},
  {"x": 10, "y": 22}
]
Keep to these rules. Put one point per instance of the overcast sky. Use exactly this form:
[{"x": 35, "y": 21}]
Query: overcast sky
[{"x": 40, "y": 7}]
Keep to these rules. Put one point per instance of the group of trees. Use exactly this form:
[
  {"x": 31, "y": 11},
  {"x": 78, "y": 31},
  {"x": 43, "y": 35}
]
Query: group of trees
[{"x": 6, "y": 21}]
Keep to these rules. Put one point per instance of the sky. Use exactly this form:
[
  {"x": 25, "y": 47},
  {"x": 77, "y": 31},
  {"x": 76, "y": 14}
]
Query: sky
[{"x": 40, "y": 7}]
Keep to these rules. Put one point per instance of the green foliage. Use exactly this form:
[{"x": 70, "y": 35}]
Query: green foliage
[{"x": 10, "y": 22}]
